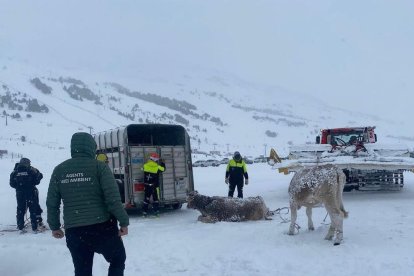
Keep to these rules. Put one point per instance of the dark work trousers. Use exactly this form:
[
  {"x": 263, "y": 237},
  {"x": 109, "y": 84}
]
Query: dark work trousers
[
  {"x": 101, "y": 238},
  {"x": 28, "y": 199},
  {"x": 232, "y": 187},
  {"x": 151, "y": 190}
]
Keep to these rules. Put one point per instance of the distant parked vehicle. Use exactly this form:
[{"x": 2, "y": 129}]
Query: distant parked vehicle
[
  {"x": 199, "y": 163},
  {"x": 260, "y": 160},
  {"x": 247, "y": 160},
  {"x": 212, "y": 162},
  {"x": 224, "y": 161}
]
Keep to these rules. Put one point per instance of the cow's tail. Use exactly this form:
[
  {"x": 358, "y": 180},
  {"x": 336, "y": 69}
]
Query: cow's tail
[{"x": 341, "y": 180}]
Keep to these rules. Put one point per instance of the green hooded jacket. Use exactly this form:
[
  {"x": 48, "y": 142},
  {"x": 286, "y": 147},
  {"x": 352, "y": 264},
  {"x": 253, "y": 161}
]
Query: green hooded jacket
[{"x": 86, "y": 187}]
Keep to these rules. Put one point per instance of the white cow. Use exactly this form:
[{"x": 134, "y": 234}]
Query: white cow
[{"x": 312, "y": 186}]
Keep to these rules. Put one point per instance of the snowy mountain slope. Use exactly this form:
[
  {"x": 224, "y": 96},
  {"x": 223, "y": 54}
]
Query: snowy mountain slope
[
  {"x": 358, "y": 54},
  {"x": 221, "y": 113}
]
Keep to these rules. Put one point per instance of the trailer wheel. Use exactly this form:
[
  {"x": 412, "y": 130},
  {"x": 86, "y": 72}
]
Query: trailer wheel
[{"x": 177, "y": 206}]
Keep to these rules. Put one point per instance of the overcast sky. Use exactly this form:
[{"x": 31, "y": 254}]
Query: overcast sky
[{"x": 352, "y": 53}]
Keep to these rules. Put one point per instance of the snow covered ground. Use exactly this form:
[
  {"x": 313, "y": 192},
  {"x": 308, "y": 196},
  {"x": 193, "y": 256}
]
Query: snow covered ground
[{"x": 378, "y": 236}]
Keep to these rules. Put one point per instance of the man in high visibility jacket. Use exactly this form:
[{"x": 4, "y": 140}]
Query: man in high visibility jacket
[
  {"x": 152, "y": 169},
  {"x": 236, "y": 172}
]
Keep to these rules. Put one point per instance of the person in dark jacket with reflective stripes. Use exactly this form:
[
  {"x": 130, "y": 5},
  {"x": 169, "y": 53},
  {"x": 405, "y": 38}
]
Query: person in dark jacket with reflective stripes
[
  {"x": 236, "y": 175},
  {"x": 152, "y": 169},
  {"x": 91, "y": 208},
  {"x": 24, "y": 179}
]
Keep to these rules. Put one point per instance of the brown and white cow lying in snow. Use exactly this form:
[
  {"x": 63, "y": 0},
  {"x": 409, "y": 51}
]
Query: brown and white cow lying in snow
[
  {"x": 312, "y": 186},
  {"x": 216, "y": 208}
]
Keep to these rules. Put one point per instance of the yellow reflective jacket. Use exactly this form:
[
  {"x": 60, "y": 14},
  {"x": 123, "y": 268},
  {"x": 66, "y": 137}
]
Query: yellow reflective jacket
[
  {"x": 151, "y": 172},
  {"x": 235, "y": 171}
]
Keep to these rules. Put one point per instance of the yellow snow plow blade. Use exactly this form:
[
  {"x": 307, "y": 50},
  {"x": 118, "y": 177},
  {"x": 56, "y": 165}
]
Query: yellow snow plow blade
[
  {"x": 284, "y": 170},
  {"x": 274, "y": 156}
]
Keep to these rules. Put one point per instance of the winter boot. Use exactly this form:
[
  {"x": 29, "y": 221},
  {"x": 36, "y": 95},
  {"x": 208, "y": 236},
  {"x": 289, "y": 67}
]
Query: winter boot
[{"x": 41, "y": 226}]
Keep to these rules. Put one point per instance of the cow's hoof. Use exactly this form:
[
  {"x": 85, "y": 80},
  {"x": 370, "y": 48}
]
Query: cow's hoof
[
  {"x": 205, "y": 219},
  {"x": 311, "y": 228},
  {"x": 337, "y": 241}
]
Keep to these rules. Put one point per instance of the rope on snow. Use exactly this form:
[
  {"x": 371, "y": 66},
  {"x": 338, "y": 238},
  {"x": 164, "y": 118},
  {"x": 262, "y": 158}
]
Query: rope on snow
[{"x": 281, "y": 211}]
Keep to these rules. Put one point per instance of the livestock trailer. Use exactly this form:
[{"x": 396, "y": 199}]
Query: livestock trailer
[{"x": 128, "y": 148}]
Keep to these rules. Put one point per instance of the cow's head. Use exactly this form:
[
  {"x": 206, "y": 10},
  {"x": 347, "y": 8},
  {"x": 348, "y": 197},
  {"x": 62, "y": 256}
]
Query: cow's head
[{"x": 190, "y": 199}]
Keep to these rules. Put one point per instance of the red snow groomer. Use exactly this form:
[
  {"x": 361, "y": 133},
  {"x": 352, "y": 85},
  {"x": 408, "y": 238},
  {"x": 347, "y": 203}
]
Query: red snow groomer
[
  {"x": 343, "y": 137},
  {"x": 366, "y": 164}
]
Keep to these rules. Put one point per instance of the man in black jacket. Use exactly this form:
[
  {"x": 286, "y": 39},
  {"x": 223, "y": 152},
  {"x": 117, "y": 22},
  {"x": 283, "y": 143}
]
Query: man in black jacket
[
  {"x": 236, "y": 175},
  {"x": 24, "y": 179}
]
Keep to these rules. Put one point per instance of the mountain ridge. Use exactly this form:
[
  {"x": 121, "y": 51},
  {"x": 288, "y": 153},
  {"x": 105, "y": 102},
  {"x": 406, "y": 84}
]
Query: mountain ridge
[{"x": 219, "y": 118}]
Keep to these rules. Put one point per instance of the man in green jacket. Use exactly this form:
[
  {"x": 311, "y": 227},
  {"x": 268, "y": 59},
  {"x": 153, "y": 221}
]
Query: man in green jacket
[{"x": 91, "y": 208}]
